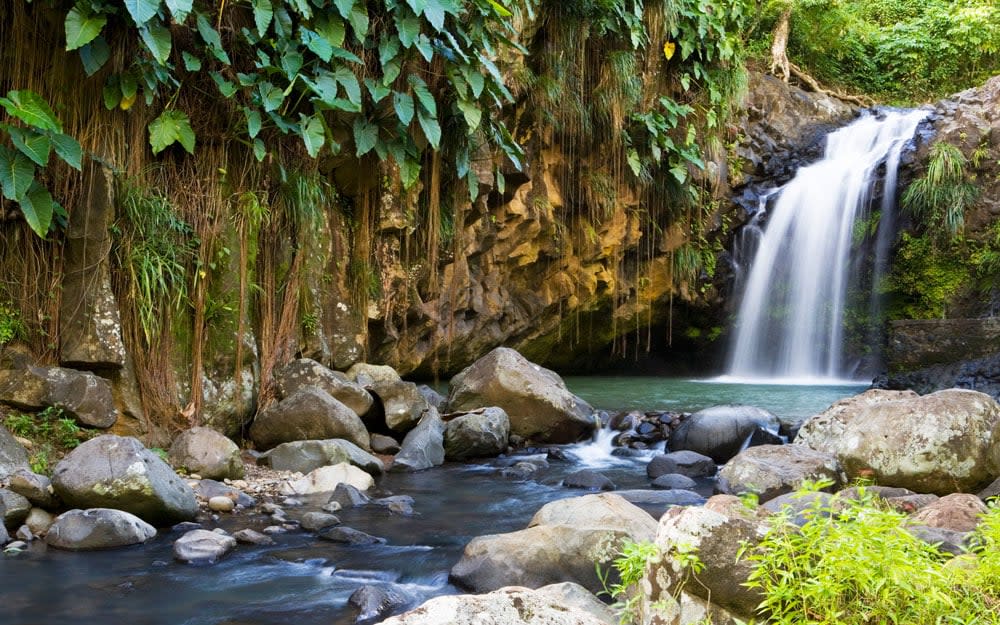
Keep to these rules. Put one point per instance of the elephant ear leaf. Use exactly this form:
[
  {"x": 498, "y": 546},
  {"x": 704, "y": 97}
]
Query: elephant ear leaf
[{"x": 169, "y": 128}]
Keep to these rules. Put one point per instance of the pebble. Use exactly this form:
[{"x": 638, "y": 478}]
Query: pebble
[{"x": 221, "y": 504}]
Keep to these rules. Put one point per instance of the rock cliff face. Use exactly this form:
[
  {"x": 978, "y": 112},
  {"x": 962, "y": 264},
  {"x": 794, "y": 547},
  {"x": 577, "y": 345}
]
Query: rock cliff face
[{"x": 523, "y": 267}]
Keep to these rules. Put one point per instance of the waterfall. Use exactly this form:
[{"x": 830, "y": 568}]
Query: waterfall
[{"x": 790, "y": 323}]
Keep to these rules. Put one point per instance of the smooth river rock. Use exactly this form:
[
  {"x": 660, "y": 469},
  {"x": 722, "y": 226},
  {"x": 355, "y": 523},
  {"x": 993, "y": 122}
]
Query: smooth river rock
[
  {"x": 118, "y": 472},
  {"x": 721, "y": 432},
  {"x": 97, "y": 528},
  {"x": 203, "y": 546},
  {"x": 773, "y": 470},
  {"x": 536, "y": 400},
  {"x": 326, "y": 480}
]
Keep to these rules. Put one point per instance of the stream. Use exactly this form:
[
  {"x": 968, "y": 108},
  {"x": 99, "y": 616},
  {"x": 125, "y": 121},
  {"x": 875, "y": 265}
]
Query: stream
[{"x": 303, "y": 580}]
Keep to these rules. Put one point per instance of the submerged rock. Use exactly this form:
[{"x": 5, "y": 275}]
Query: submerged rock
[
  {"x": 588, "y": 480},
  {"x": 536, "y": 400},
  {"x": 350, "y": 536},
  {"x": 373, "y": 602},
  {"x": 98, "y": 528},
  {"x": 721, "y": 432},
  {"x": 115, "y": 472}
]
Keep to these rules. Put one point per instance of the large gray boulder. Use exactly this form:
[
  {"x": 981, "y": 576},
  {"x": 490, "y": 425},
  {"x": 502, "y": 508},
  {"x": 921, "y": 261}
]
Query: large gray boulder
[
  {"x": 721, "y": 432},
  {"x": 717, "y": 540},
  {"x": 306, "y": 372},
  {"x": 423, "y": 447},
  {"x": 477, "y": 434},
  {"x": 309, "y": 413},
  {"x": 563, "y": 542},
  {"x": 14, "y": 509},
  {"x": 306, "y": 456},
  {"x": 13, "y": 456},
  {"x": 81, "y": 395},
  {"x": 118, "y": 472},
  {"x": 97, "y": 528},
  {"x": 560, "y": 604},
  {"x": 824, "y": 431},
  {"x": 35, "y": 488},
  {"x": 941, "y": 443},
  {"x": 773, "y": 470},
  {"x": 403, "y": 403},
  {"x": 536, "y": 400},
  {"x": 206, "y": 452}
]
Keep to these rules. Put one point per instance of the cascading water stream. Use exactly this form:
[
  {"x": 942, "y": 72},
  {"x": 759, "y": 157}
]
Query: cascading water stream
[{"x": 791, "y": 319}]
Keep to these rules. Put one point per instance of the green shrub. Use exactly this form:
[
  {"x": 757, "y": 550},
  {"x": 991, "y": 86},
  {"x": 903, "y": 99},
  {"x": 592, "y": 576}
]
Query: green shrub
[
  {"x": 854, "y": 563},
  {"x": 51, "y": 433}
]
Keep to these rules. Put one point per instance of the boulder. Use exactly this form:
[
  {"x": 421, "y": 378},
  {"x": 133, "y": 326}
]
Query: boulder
[
  {"x": 81, "y": 395},
  {"x": 97, "y": 528},
  {"x": 717, "y": 540},
  {"x": 772, "y": 470},
  {"x": 326, "y": 480},
  {"x": 941, "y": 443},
  {"x": 483, "y": 433},
  {"x": 957, "y": 512},
  {"x": 35, "y": 488},
  {"x": 800, "y": 506},
  {"x": 687, "y": 463},
  {"x": 382, "y": 444},
  {"x": 403, "y": 405},
  {"x": 536, "y": 400},
  {"x": 721, "y": 432},
  {"x": 39, "y": 521},
  {"x": 588, "y": 480},
  {"x": 203, "y": 546},
  {"x": 669, "y": 481},
  {"x": 314, "y": 521},
  {"x": 823, "y": 431},
  {"x": 372, "y": 376},
  {"x": 309, "y": 413},
  {"x": 4, "y": 535},
  {"x": 423, "y": 447},
  {"x": 563, "y": 542},
  {"x": 946, "y": 541},
  {"x": 350, "y": 536},
  {"x": 206, "y": 452},
  {"x": 14, "y": 509},
  {"x": 306, "y": 372},
  {"x": 374, "y": 602},
  {"x": 118, "y": 472},
  {"x": 347, "y": 496},
  {"x": 13, "y": 456},
  {"x": 306, "y": 456},
  {"x": 510, "y": 606}
]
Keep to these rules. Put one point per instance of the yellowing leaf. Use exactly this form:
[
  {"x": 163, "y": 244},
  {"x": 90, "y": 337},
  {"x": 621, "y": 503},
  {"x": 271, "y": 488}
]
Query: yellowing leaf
[
  {"x": 127, "y": 102},
  {"x": 668, "y": 49}
]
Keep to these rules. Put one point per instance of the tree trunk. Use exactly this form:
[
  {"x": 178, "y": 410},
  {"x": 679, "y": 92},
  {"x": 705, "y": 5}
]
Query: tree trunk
[{"x": 779, "y": 45}]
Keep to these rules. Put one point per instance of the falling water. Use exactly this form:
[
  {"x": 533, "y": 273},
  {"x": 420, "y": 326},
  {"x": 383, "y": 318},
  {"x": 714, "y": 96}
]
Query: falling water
[{"x": 791, "y": 318}]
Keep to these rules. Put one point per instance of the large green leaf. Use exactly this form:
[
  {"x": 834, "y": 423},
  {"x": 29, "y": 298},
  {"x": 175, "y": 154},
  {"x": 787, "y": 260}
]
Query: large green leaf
[
  {"x": 271, "y": 97},
  {"x": 210, "y": 36},
  {"x": 424, "y": 95},
  {"x": 142, "y": 10},
  {"x": 37, "y": 207},
  {"x": 359, "y": 20},
  {"x": 191, "y": 62},
  {"x": 344, "y": 6},
  {"x": 472, "y": 113},
  {"x": 16, "y": 173},
  {"x": 180, "y": 9},
  {"x": 31, "y": 109},
  {"x": 317, "y": 44},
  {"x": 377, "y": 91},
  {"x": 94, "y": 55},
  {"x": 313, "y": 134},
  {"x": 263, "y": 13},
  {"x": 253, "y": 122},
  {"x": 34, "y": 145},
  {"x": 226, "y": 87},
  {"x": 331, "y": 29},
  {"x": 68, "y": 150},
  {"x": 82, "y": 27},
  {"x": 408, "y": 29},
  {"x": 402, "y": 103},
  {"x": 431, "y": 128},
  {"x": 365, "y": 136},
  {"x": 171, "y": 127},
  {"x": 350, "y": 82},
  {"x": 156, "y": 37}
]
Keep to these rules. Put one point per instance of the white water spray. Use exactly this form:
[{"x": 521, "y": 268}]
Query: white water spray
[{"x": 791, "y": 319}]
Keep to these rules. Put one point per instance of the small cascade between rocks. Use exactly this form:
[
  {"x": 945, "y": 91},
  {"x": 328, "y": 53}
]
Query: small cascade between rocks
[{"x": 795, "y": 255}]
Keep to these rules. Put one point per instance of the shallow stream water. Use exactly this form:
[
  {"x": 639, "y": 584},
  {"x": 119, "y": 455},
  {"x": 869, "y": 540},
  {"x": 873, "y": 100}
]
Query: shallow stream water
[{"x": 303, "y": 581}]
